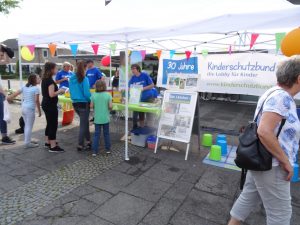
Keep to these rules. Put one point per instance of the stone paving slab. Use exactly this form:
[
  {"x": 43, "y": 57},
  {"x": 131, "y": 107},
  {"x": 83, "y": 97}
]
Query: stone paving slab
[
  {"x": 162, "y": 212},
  {"x": 112, "y": 181},
  {"x": 164, "y": 173},
  {"x": 147, "y": 188},
  {"x": 219, "y": 181},
  {"x": 208, "y": 206},
  {"x": 186, "y": 218},
  {"x": 93, "y": 220},
  {"x": 124, "y": 209}
]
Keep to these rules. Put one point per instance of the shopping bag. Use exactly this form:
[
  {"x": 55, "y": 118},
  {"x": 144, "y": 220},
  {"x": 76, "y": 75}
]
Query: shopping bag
[
  {"x": 68, "y": 117},
  {"x": 6, "y": 115}
]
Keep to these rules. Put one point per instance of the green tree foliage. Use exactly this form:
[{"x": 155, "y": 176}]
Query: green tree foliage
[{"x": 7, "y": 5}]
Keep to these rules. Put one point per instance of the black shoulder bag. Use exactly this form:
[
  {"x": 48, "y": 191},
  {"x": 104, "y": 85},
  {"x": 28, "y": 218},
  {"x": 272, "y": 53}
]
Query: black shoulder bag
[{"x": 251, "y": 153}]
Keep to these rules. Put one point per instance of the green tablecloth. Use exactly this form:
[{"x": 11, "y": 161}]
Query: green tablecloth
[{"x": 142, "y": 107}]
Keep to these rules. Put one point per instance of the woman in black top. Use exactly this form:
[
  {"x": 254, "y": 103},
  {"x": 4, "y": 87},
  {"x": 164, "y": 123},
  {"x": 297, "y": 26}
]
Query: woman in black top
[{"x": 50, "y": 92}]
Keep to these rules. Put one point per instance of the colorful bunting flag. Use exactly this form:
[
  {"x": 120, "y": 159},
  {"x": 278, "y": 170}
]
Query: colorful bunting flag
[
  {"x": 113, "y": 47},
  {"x": 107, "y": 2},
  {"x": 74, "y": 48},
  {"x": 52, "y": 49},
  {"x": 158, "y": 53},
  {"x": 279, "y": 37},
  {"x": 253, "y": 39},
  {"x": 95, "y": 48},
  {"x": 143, "y": 54},
  {"x": 188, "y": 54},
  {"x": 31, "y": 48},
  {"x": 172, "y": 53},
  {"x": 135, "y": 57},
  {"x": 204, "y": 52}
]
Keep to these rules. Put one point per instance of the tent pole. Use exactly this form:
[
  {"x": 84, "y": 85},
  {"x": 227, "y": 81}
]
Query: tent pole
[
  {"x": 20, "y": 66},
  {"x": 110, "y": 68},
  {"x": 126, "y": 99}
]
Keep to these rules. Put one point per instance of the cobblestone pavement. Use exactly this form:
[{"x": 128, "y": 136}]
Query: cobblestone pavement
[{"x": 41, "y": 188}]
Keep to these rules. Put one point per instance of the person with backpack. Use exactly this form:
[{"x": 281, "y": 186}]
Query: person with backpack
[{"x": 279, "y": 133}]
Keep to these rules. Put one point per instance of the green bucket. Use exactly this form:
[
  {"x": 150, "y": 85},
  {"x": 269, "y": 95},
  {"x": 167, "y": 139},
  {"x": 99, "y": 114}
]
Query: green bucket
[
  {"x": 207, "y": 140},
  {"x": 215, "y": 153}
]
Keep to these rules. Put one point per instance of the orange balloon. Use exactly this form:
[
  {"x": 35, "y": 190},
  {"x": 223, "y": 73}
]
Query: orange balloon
[{"x": 290, "y": 44}]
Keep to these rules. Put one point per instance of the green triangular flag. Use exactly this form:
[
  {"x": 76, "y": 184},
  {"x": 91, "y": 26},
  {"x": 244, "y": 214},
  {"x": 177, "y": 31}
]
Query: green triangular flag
[
  {"x": 204, "y": 52},
  {"x": 279, "y": 37}
]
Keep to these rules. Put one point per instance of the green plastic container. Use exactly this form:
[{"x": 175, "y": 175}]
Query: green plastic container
[
  {"x": 215, "y": 153},
  {"x": 207, "y": 140}
]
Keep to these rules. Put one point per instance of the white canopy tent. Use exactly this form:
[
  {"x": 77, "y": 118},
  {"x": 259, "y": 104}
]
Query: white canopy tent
[{"x": 187, "y": 36}]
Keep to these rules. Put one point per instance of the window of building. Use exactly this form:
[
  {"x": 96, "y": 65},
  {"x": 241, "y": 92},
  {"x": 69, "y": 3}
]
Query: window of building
[{"x": 45, "y": 53}]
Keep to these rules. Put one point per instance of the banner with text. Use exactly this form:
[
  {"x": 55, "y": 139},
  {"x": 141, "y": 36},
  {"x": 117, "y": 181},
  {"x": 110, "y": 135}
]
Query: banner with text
[
  {"x": 242, "y": 73},
  {"x": 178, "y": 72}
]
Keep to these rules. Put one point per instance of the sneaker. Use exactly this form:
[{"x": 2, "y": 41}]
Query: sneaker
[
  {"x": 47, "y": 146},
  {"x": 8, "y": 141},
  {"x": 94, "y": 155},
  {"x": 56, "y": 149},
  {"x": 31, "y": 145},
  {"x": 108, "y": 152},
  {"x": 19, "y": 131},
  {"x": 88, "y": 147},
  {"x": 34, "y": 142}
]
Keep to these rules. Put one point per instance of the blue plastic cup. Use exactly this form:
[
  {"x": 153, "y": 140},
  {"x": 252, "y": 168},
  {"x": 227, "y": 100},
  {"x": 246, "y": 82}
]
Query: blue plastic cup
[
  {"x": 295, "y": 178},
  {"x": 221, "y": 137},
  {"x": 223, "y": 145}
]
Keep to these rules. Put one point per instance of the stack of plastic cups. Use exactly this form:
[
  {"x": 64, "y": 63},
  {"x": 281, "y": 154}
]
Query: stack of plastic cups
[
  {"x": 223, "y": 145},
  {"x": 215, "y": 153},
  {"x": 207, "y": 140}
]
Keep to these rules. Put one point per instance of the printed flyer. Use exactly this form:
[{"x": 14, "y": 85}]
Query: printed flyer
[{"x": 177, "y": 117}]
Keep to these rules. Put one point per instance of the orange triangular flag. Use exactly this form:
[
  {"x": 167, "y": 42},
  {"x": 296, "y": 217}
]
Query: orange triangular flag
[
  {"x": 52, "y": 49},
  {"x": 158, "y": 53}
]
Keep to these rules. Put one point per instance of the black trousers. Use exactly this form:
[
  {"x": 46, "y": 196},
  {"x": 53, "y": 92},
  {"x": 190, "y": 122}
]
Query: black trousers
[{"x": 51, "y": 114}]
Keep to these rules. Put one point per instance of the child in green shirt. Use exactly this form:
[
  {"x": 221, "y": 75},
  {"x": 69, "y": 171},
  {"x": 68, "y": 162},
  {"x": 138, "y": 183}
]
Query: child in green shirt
[{"x": 101, "y": 102}]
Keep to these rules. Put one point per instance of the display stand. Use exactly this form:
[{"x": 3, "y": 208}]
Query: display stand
[{"x": 176, "y": 121}]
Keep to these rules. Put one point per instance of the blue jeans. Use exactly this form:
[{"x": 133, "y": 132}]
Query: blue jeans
[
  {"x": 97, "y": 137},
  {"x": 83, "y": 111},
  {"x": 3, "y": 124}
]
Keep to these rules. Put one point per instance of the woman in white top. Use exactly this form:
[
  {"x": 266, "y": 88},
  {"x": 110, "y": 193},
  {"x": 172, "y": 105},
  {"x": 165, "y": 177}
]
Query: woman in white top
[
  {"x": 30, "y": 100},
  {"x": 272, "y": 187}
]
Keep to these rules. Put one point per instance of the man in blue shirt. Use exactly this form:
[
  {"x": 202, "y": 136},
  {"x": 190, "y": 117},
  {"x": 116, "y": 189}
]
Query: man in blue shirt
[
  {"x": 93, "y": 73},
  {"x": 62, "y": 77},
  {"x": 143, "y": 79}
]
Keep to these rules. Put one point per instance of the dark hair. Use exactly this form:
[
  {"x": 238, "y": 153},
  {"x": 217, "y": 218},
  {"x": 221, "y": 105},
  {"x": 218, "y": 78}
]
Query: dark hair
[
  {"x": 137, "y": 66},
  {"x": 80, "y": 71},
  {"x": 32, "y": 80},
  {"x": 89, "y": 61},
  {"x": 8, "y": 51},
  {"x": 49, "y": 66},
  {"x": 100, "y": 86},
  {"x": 288, "y": 72}
]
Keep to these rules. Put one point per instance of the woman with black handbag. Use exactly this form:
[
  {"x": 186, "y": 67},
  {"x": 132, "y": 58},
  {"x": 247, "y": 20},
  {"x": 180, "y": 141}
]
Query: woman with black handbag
[{"x": 272, "y": 187}]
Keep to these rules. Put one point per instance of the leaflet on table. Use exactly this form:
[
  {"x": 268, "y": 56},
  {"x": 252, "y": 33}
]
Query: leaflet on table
[
  {"x": 135, "y": 94},
  {"x": 177, "y": 115},
  {"x": 182, "y": 81}
]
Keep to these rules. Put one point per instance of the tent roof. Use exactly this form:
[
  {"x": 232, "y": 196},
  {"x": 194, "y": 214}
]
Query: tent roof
[{"x": 225, "y": 24}]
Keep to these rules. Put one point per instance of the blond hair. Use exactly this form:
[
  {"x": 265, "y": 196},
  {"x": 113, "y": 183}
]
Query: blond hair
[{"x": 100, "y": 86}]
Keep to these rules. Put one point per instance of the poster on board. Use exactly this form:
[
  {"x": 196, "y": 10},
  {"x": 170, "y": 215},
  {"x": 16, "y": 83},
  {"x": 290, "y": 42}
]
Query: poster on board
[{"x": 177, "y": 116}]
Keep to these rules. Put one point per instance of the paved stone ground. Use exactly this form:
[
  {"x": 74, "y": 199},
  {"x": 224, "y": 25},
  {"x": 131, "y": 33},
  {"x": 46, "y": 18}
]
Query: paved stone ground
[{"x": 43, "y": 188}]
